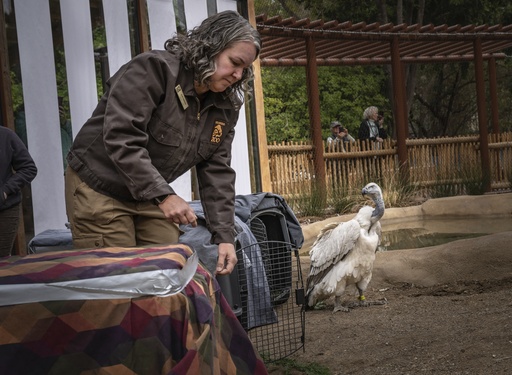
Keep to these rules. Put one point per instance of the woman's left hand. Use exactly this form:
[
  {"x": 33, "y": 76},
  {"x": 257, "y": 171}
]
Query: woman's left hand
[{"x": 226, "y": 260}]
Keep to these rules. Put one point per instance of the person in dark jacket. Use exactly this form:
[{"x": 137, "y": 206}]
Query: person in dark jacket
[
  {"x": 369, "y": 129},
  {"x": 163, "y": 113},
  {"x": 17, "y": 169},
  {"x": 380, "y": 124}
]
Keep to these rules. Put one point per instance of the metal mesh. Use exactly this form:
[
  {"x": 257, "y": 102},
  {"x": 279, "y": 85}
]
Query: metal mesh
[{"x": 282, "y": 272}]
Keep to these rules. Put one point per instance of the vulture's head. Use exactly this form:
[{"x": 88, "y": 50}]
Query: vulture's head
[{"x": 372, "y": 190}]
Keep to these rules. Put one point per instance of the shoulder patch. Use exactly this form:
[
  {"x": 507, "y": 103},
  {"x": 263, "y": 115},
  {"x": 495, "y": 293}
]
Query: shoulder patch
[{"x": 217, "y": 131}]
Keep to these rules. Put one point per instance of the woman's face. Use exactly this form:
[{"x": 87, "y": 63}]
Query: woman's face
[
  {"x": 374, "y": 115},
  {"x": 230, "y": 65}
]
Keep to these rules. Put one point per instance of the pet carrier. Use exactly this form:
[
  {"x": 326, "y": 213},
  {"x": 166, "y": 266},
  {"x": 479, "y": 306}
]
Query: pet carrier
[{"x": 265, "y": 290}]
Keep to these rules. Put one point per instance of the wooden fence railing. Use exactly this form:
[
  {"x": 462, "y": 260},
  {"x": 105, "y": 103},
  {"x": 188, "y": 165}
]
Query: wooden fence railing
[{"x": 448, "y": 161}]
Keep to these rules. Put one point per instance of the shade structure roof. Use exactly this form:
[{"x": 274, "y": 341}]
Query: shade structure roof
[
  {"x": 292, "y": 42},
  {"x": 347, "y": 43}
]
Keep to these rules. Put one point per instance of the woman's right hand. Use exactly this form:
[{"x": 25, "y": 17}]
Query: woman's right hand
[{"x": 178, "y": 211}]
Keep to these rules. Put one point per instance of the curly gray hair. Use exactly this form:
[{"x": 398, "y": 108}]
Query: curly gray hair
[
  {"x": 198, "y": 47},
  {"x": 369, "y": 111}
]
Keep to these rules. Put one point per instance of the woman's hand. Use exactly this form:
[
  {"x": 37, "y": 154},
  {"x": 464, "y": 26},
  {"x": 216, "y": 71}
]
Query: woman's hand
[
  {"x": 178, "y": 211},
  {"x": 226, "y": 260}
]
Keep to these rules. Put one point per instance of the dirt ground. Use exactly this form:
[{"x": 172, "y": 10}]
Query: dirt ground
[{"x": 448, "y": 311}]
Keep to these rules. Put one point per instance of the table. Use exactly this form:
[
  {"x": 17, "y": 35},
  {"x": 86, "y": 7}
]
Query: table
[{"x": 118, "y": 311}]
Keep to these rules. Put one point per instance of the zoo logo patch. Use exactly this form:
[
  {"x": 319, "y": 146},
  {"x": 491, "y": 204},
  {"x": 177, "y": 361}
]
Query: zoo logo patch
[{"x": 217, "y": 131}]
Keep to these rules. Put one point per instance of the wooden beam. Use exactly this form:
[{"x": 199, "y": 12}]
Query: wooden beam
[
  {"x": 142, "y": 18},
  {"x": 482, "y": 114},
  {"x": 264, "y": 167},
  {"x": 314, "y": 116}
]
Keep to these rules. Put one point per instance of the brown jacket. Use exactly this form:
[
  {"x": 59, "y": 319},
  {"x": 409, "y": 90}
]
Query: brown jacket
[{"x": 141, "y": 137}]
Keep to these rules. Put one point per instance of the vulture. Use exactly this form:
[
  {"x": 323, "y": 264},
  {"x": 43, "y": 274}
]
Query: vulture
[{"x": 342, "y": 255}]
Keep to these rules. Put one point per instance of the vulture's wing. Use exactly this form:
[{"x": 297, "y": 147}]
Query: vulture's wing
[{"x": 332, "y": 246}]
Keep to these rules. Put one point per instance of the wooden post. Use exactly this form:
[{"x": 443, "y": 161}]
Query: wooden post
[
  {"x": 482, "y": 113},
  {"x": 402, "y": 127},
  {"x": 261, "y": 132},
  {"x": 142, "y": 17},
  {"x": 314, "y": 116}
]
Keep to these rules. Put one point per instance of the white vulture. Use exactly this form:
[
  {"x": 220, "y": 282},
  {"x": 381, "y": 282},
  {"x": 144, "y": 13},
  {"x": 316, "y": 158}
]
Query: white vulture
[{"x": 343, "y": 254}]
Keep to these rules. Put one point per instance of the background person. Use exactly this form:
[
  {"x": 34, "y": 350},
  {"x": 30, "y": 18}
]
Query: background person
[
  {"x": 368, "y": 129},
  {"x": 347, "y": 138},
  {"x": 163, "y": 113},
  {"x": 17, "y": 169},
  {"x": 335, "y": 133},
  {"x": 380, "y": 124}
]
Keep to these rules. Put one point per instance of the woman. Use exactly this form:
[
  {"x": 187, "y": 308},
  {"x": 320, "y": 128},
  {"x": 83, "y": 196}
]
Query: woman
[
  {"x": 17, "y": 169},
  {"x": 163, "y": 113},
  {"x": 369, "y": 128}
]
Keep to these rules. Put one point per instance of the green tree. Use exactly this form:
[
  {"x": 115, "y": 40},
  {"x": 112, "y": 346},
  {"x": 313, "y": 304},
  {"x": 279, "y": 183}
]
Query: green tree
[
  {"x": 344, "y": 94},
  {"x": 440, "y": 97},
  {"x": 285, "y": 100},
  {"x": 346, "y": 91}
]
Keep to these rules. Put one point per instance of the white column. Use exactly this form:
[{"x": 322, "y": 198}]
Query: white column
[
  {"x": 223, "y": 5},
  {"x": 162, "y": 22},
  {"x": 79, "y": 52},
  {"x": 41, "y": 111},
  {"x": 240, "y": 160},
  {"x": 118, "y": 33},
  {"x": 195, "y": 12}
]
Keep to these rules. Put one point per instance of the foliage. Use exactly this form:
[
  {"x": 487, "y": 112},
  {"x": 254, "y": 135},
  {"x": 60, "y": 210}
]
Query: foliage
[
  {"x": 441, "y": 97},
  {"x": 284, "y": 8},
  {"x": 504, "y": 94},
  {"x": 309, "y": 204},
  {"x": 16, "y": 91},
  {"x": 285, "y": 97},
  {"x": 347, "y": 10},
  {"x": 442, "y": 107},
  {"x": 438, "y": 12},
  {"x": 396, "y": 191},
  {"x": 463, "y": 12},
  {"x": 344, "y": 94},
  {"x": 469, "y": 181},
  {"x": 345, "y": 200}
]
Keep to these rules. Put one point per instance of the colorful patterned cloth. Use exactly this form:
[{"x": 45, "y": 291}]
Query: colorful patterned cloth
[{"x": 191, "y": 332}]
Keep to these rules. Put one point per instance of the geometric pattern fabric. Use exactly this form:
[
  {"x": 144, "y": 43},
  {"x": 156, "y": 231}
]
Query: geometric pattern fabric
[{"x": 191, "y": 332}]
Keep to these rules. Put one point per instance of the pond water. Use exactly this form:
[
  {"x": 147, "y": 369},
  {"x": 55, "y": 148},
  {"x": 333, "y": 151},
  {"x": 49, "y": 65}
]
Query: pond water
[{"x": 432, "y": 232}]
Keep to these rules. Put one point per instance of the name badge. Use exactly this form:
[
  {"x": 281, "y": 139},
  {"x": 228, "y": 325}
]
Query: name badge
[{"x": 181, "y": 96}]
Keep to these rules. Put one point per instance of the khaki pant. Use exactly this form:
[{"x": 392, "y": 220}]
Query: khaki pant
[{"x": 101, "y": 221}]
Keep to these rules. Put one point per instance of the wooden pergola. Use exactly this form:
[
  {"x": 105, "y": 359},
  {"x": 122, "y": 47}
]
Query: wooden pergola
[{"x": 292, "y": 42}]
